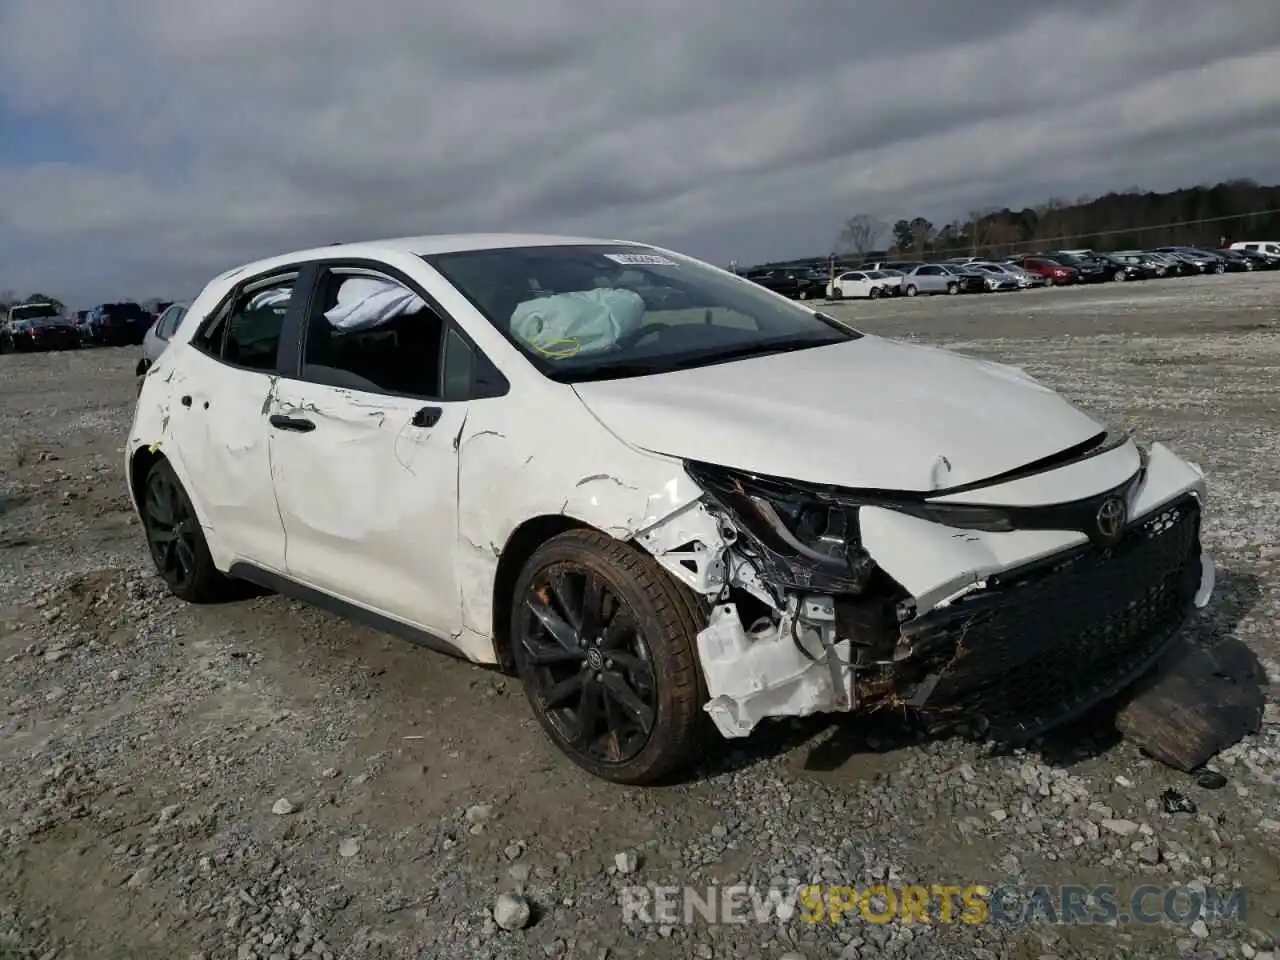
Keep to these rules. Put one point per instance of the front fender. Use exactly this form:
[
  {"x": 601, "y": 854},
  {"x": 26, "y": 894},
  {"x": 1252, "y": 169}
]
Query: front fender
[{"x": 516, "y": 464}]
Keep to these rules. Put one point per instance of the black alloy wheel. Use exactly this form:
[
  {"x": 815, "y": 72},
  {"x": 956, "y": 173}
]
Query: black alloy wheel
[
  {"x": 178, "y": 546},
  {"x": 603, "y": 640}
]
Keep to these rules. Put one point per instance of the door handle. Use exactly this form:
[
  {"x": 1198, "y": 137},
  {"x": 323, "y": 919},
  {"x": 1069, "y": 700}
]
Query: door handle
[
  {"x": 296, "y": 424},
  {"x": 427, "y": 417}
]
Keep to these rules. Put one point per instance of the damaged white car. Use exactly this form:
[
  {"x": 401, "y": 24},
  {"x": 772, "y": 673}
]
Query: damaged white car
[{"x": 658, "y": 492}]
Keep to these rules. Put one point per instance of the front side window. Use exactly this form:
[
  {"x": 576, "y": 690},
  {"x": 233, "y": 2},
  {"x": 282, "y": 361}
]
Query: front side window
[
  {"x": 371, "y": 333},
  {"x": 582, "y": 312}
]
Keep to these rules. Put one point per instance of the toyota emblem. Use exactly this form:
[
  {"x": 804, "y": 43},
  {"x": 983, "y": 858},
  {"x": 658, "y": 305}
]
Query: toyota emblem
[{"x": 1110, "y": 519}]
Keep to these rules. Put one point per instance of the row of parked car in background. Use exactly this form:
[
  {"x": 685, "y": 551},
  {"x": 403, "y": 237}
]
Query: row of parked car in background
[
  {"x": 878, "y": 278},
  {"x": 49, "y": 326}
]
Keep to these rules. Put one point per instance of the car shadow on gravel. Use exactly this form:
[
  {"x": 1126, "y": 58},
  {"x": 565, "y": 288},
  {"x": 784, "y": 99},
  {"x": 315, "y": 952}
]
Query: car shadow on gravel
[{"x": 834, "y": 745}]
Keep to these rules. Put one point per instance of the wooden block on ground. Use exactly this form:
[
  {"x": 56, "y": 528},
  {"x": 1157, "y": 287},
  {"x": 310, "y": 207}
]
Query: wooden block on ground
[{"x": 1198, "y": 702}]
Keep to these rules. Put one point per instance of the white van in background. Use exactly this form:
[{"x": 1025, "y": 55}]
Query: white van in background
[{"x": 1259, "y": 246}]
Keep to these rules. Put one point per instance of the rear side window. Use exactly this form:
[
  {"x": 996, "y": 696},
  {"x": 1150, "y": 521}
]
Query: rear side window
[{"x": 246, "y": 330}]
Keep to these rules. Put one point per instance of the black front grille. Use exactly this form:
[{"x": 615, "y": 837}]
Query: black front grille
[{"x": 1044, "y": 644}]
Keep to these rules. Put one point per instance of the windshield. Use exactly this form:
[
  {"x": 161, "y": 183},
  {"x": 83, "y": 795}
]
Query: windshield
[
  {"x": 583, "y": 312},
  {"x": 34, "y": 311}
]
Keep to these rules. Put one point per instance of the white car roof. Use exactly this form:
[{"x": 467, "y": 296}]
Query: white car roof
[{"x": 419, "y": 246}]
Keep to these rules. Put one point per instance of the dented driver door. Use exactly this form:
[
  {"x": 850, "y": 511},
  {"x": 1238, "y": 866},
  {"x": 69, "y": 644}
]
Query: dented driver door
[{"x": 367, "y": 488}]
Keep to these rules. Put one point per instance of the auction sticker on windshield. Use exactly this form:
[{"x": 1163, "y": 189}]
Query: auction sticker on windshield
[{"x": 642, "y": 259}]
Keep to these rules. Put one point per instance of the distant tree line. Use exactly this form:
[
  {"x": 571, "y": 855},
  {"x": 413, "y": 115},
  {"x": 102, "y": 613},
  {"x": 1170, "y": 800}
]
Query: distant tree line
[
  {"x": 10, "y": 297},
  {"x": 1195, "y": 216}
]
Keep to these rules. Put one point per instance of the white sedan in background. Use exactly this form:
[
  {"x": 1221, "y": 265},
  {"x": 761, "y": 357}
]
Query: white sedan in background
[
  {"x": 657, "y": 492},
  {"x": 864, "y": 284}
]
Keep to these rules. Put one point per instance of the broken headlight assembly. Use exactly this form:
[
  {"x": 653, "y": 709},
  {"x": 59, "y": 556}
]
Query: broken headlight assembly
[
  {"x": 817, "y": 531},
  {"x": 802, "y": 539}
]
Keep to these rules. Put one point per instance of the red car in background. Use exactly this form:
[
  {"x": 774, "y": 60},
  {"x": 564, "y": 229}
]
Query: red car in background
[{"x": 1051, "y": 270}]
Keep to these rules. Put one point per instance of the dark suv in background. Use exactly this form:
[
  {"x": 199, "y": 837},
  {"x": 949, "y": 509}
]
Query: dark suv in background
[
  {"x": 796, "y": 284},
  {"x": 119, "y": 324}
]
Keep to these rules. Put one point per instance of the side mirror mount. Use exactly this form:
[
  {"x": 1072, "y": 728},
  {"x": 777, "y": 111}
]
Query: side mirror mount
[{"x": 143, "y": 366}]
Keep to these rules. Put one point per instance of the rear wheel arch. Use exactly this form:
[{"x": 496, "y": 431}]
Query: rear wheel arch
[{"x": 140, "y": 464}]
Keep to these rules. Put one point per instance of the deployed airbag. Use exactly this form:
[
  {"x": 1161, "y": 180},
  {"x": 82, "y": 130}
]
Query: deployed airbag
[
  {"x": 581, "y": 322},
  {"x": 273, "y": 297},
  {"x": 366, "y": 302}
]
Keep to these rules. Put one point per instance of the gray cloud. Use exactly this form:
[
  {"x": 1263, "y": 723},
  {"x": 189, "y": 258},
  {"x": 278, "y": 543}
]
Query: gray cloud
[{"x": 223, "y": 132}]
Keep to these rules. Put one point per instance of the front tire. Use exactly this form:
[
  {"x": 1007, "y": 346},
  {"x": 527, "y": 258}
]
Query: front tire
[
  {"x": 911, "y": 291},
  {"x": 177, "y": 543},
  {"x": 875, "y": 293},
  {"x": 953, "y": 288},
  {"x": 604, "y": 642}
]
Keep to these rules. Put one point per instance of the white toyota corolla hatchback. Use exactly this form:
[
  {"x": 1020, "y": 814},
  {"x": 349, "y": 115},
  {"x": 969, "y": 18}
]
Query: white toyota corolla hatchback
[{"x": 658, "y": 492}]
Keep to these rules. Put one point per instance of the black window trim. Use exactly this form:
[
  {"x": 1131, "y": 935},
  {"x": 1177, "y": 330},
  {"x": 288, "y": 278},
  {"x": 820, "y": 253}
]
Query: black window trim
[
  {"x": 298, "y": 272},
  {"x": 487, "y": 380}
]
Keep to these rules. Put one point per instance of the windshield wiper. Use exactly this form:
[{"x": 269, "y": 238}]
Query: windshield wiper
[
  {"x": 640, "y": 368},
  {"x": 619, "y": 369},
  {"x": 763, "y": 348}
]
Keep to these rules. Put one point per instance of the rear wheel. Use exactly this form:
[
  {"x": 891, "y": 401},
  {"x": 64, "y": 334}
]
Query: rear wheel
[
  {"x": 604, "y": 643},
  {"x": 178, "y": 546}
]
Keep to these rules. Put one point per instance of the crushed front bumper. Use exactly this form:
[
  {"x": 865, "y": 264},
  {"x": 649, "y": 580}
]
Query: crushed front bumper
[
  {"x": 1039, "y": 645},
  {"x": 1011, "y": 633}
]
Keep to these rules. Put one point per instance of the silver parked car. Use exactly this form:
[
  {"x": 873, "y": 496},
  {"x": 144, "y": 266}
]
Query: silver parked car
[
  {"x": 930, "y": 278},
  {"x": 158, "y": 337},
  {"x": 1005, "y": 276}
]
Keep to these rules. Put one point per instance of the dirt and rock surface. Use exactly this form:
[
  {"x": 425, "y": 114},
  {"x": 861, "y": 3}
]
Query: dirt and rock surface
[{"x": 258, "y": 779}]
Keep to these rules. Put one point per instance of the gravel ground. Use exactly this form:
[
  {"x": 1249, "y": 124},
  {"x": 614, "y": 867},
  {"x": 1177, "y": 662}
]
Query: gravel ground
[{"x": 146, "y": 746}]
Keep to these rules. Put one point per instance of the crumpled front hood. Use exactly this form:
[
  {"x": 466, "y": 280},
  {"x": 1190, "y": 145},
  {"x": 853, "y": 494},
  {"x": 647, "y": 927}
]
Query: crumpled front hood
[{"x": 871, "y": 413}]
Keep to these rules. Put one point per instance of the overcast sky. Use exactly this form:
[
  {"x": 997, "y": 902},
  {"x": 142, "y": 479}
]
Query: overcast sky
[{"x": 147, "y": 144}]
